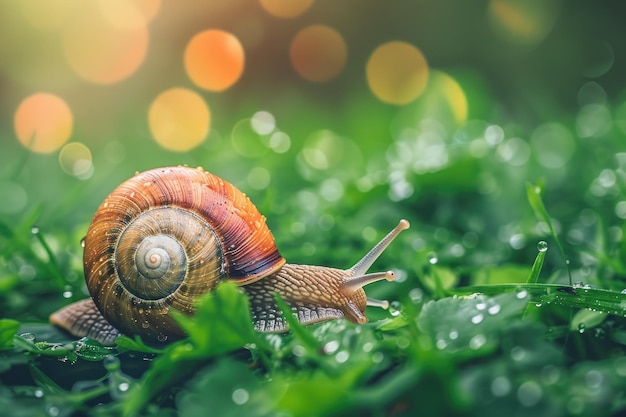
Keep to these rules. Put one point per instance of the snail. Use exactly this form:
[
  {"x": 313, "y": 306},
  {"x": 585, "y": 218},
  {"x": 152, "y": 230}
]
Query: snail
[{"x": 166, "y": 236}]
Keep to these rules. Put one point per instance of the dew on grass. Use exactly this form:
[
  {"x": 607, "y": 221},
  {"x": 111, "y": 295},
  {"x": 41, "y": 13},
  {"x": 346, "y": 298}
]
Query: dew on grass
[
  {"x": 342, "y": 356},
  {"x": 581, "y": 328},
  {"x": 28, "y": 337},
  {"x": 34, "y": 230},
  {"x": 521, "y": 294},
  {"x": 162, "y": 337},
  {"x": 416, "y": 295},
  {"x": 38, "y": 393},
  {"x": 432, "y": 258},
  {"x": 477, "y": 318},
  {"x": 494, "y": 309},
  {"x": 331, "y": 347},
  {"x": 477, "y": 341},
  {"x": 111, "y": 363},
  {"x": 395, "y": 308},
  {"x": 542, "y": 246}
]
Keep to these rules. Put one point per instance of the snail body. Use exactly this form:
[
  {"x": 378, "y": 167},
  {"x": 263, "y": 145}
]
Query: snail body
[{"x": 168, "y": 235}]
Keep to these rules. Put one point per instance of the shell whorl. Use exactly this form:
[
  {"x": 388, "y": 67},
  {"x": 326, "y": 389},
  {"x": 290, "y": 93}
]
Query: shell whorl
[{"x": 166, "y": 236}]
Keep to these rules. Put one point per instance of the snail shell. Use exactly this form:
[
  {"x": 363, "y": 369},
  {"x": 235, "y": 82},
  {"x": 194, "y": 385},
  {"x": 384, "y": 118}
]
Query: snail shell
[{"x": 166, "y": 236}]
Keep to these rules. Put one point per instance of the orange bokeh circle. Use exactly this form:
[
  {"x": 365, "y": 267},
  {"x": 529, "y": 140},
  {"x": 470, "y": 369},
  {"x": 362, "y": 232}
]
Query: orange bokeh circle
[
  {"x": 214, "y": 60},
  {"x": 43, "y": 122}
]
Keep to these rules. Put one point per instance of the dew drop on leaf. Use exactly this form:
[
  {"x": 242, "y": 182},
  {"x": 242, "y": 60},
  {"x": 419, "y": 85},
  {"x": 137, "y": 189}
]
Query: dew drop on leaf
[
  {"x": 395, "y": 308},
  {"x": 581, "y": 328},
  {"x": 34, "y": 230},
  {"x": 28, "y": 336},
  {"x": 477, "y": 318},
  {"x": 432, "y": 259},
  {"x": 111, "y": 363},
  {"x": 542, "y": 246},
  {"x": 521, "y": 294}
]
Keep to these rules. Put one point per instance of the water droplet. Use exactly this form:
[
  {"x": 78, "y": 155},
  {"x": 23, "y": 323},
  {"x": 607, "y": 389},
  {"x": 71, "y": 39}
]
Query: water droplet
[
  {"x": 240, "y": 396},
  {"x": 494, "y": 309},
  {"x": 477, "y": 318},
  {"x": 521, "y": 294},
  {"x": 331, "y": 347},
  {"x": 453, "y": 335},
  {"x": 161, "y": 337},
  {"x": 82, "y": 243},
  {"x": 481, "y": 305},
  {"x": 395, "y": 308},
  {"x": 111, "y": 363},
  {"x": 432, "y": 259},
  {"x": 38, "y": 393},
  {"x": 542, "y": 246},
  {"x": 477, "y": 341},
  {"x": 123, "y": 386},
  {"x": 67, "y": 292},
  {"x": 581, "y": 328},
  {"x": 441, "y": 344},
  {"x": 52, "y": 410},
  {"x": 34, "y": 230},
  {"x": 145, "y": 325},
  {"x": 416, "y": 295},
  {"x": 368, "y": 346},
  {"x": 299, "y": 350},
  {"x": 28, "y": 336},
  {"x": 342, "y": 356}
]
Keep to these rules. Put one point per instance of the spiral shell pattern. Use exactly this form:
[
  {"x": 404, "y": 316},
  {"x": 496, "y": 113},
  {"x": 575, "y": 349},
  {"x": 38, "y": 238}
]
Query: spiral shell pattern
[{"x": 166, "y": 236}]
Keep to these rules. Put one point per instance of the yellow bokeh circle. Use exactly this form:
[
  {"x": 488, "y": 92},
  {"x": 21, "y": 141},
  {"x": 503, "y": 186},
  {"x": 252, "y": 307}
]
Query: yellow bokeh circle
[
  {"x": 397, "y": 72},
  {"x": 179, "y": 119},
  {"x": 318, "y": 53},
  {"x": 286, "y": 8},
  {"x": 106, "y": 44},
  {"x": 214, "y": 59},
  {"x": 43, "y": 122}
]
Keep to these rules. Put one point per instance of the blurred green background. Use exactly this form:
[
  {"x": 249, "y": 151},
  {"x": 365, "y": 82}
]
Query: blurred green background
[{"x": 337, "y": 118}]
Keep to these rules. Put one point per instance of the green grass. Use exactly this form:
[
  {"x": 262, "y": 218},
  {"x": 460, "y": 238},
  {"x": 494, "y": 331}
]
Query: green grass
[{"x": 510, "y": 296}]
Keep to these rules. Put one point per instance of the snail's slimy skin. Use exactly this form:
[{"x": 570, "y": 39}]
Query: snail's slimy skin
[{"x": 168, "y": 235}]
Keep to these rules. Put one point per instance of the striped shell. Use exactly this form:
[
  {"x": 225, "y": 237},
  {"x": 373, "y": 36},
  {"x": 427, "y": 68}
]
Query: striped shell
[{"x": 166, "y": 236}]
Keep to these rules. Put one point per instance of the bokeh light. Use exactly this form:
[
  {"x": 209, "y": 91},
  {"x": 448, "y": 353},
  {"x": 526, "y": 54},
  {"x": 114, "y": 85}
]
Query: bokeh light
[
  {"x": 75, "y": 159},
  {"x": 523, "y": 22},
  {"x": 286, "y": 8},
  {"x": 214, "y": 60},
  {"x": 397, "y": 72},
  {"x": 106, "y": 44},
  {"x": 318, "y": 53},
  {"x": 43, "y": 122},
  {"x": 179, "y": 119},
  {"x": 553, "y": 145},
  {"x": 45, "y": 15}
]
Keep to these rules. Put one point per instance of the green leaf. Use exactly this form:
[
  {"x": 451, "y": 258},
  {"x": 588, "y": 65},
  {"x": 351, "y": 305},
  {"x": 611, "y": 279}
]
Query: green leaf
[
  {"x": 468, "y": 324},
  {"x": 222, "y": 322},
  {"x": 587, "y": 319},
  {"x": 8, "y": 329}
]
